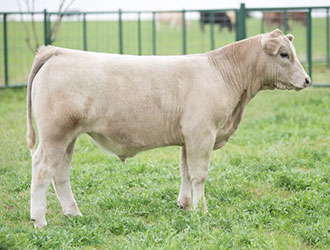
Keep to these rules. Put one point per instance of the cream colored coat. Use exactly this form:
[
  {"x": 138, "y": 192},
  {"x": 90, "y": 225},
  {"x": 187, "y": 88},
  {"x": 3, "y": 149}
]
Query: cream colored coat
[{"x": 128, "y": 104}]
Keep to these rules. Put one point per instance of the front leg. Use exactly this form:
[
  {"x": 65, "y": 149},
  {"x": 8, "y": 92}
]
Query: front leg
[
  {"x": 199, "y": 147},
  {"x": 184, "y": 199}
]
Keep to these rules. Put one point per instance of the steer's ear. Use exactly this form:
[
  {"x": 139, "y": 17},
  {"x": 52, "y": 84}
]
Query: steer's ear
[
  {"x": 290, "y": 37},
  {"x": 271, "y": 44},
  {"x": 276, "y": 33}
]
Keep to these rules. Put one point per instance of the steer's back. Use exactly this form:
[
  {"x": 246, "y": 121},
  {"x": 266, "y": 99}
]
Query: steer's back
[{"x": 126, "y": 103}]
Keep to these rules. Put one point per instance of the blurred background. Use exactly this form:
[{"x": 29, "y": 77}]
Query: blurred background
[
  {"x": 96, "y": 5},
  {"x": 156, "y": 28}
]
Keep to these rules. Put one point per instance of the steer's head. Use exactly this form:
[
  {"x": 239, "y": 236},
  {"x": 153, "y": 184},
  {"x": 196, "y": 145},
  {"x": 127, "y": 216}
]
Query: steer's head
[{"x": 283, "y": 69}]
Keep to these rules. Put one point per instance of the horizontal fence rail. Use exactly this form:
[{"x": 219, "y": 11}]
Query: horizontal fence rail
[{"x": 159, "y": 33}]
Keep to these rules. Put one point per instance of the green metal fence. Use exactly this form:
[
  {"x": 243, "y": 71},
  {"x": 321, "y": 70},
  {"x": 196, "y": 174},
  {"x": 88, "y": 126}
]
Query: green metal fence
[{"x": 159, "y": 33}]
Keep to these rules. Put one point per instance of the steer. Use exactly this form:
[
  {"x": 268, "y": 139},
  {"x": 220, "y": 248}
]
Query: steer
[
  {"x": 128, "y": 104},
  {"x": 220, "y": 18}
]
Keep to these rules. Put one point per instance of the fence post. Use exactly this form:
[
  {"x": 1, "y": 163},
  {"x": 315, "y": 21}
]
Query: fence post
[
  {"x": 309, "y": 41},
  {"x": 5, "y": 48},
  {"x": 45, "y": 28},
  {"x": 241, "y": 25},
  {"x": 139, "y": 34},
  {"x": 262, "y": 23},
  {"x": 285, "y": 21},
  {"x": 120, "y": 31},
  {"x": 237, "y": 24},
  {"x": 85, "y": 31},
  {"x": 328, "y": 40},
  {"x": 49, "y": 28},
  {"x": 154, "y": 33},
  {"x": 184, "y": 42},
  {"x": 212, "y": 30}
]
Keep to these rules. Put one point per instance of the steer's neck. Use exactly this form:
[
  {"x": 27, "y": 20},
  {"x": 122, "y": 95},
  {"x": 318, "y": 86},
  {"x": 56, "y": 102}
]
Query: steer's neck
[{"x": 238, "y": 66}]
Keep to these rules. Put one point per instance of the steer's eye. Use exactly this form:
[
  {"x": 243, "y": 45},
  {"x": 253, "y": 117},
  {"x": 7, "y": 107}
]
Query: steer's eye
[{"x": 284, "y": 55}]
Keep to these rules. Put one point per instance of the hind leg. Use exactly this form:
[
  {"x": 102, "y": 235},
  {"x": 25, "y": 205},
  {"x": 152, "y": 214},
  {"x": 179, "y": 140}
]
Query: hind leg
[
  {"x": 61, "y": 182},
  {"x": 44, "y": 163}
]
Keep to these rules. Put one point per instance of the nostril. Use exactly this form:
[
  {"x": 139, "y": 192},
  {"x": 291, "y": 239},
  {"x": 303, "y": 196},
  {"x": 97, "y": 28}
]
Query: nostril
[{"x": 307, "y": 80}]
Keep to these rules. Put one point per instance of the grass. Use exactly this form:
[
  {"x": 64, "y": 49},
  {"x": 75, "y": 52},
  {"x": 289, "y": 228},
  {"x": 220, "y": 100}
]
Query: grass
[
  {"x": 103, "y": 36},
  {"x": 268, "y": 188}
]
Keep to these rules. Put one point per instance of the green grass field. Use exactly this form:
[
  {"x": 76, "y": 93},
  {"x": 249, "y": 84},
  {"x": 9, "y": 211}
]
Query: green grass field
[
  {"x": 102, "y": 36},
  {"x": 268, "y": 188}
]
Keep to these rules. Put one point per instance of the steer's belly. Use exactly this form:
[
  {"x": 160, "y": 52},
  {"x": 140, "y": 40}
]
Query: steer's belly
[
  {"x": 125, "y": 147},
  {"x": 115, "y": 147}
]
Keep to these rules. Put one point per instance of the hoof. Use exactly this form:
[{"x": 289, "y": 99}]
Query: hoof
[
  {"x": 72, "y": 213},
  {"x": 185, "y": 205},
  {"x": 183, "y": 208},
  {"x": 201, "y": 206},
  {"x": 180, "y": 206},
  {"x": 72, "y": 210},
  {"x": 39, "y": 223}
]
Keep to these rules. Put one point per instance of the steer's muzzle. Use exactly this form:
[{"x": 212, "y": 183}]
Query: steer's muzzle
[{"x": 307, "y": 82}]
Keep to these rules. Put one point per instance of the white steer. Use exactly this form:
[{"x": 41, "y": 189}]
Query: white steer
[{"x": 128, "y": 104}]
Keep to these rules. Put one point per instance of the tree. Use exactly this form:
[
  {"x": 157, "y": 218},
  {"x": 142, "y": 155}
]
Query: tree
[{"x": 29, "y": 5}]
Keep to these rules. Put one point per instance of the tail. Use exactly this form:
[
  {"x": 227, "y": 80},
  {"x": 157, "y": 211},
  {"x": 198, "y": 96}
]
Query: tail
[{"x": 42, "y": 56}]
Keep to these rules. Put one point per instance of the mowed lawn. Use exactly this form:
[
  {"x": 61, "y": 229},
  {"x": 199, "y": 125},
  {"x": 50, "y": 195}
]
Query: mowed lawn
[
  {"x": 103, "y": 36},
  {"x": 268, "y": 188}
]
